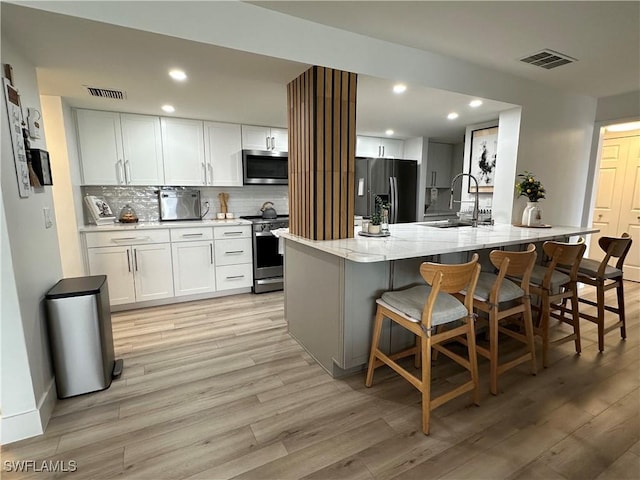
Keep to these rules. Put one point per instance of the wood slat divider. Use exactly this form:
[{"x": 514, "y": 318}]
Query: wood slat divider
[{"x": 322, "y": 139}]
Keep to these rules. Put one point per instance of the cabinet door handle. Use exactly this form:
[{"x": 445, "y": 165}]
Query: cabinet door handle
[
  {"x": 267, "y": 141},
  {"x": 129, "y": 239},
  {"x": 135, "y": 258},
  {"x": 204, "y": 174},
  {"x": 211, "y": 252},
  {"x": 383, "y": 150},
  {"x": 232, "y": 233},
  {"x": 192, "y": 235},
  {"x": 273, "y": 143},
  {"x": 210, "y": 168},
  {"x": 127, "y": 172},
  {"x": 234, "y": 252},
  {"x": 128, "y": 261},
  {"x": 233, "y": 277},
  {"x": 119, "y": 171}
]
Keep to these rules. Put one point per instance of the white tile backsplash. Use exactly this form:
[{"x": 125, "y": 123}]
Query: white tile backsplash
[{"x": 242, "y": 201}]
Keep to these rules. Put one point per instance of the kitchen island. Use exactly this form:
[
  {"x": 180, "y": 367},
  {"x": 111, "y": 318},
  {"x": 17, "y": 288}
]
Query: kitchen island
[{"x": 331, "y": 286}]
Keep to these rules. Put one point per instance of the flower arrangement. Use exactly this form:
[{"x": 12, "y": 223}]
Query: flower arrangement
[
  {"x": 530, "y": 187},
  {"x": 376, "y": 216}
]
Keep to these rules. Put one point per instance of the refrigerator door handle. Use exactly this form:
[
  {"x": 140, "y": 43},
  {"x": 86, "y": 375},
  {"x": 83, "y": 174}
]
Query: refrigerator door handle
[
  {"x": 395, "y": 194},
  {"x": 393, "y": 199}
]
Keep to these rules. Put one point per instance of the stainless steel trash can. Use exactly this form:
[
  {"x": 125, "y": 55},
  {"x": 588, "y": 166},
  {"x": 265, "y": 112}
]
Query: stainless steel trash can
[{"x": 80, "y": 335}]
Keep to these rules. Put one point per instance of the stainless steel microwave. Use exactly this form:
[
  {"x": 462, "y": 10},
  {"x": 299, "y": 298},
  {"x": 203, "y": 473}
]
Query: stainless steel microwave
[{"x": 265, "y": 167}]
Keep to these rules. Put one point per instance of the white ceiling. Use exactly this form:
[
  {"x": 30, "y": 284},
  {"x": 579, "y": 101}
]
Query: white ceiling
[
  {"x": 229, "y": 85},
  {"x": 604, "y": 36}
]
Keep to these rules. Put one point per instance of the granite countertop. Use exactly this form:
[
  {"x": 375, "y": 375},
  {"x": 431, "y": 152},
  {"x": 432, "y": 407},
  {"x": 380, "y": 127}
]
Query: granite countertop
[
  {"x": 163, "y": 225},
  {"x": 411, "y": 240}
]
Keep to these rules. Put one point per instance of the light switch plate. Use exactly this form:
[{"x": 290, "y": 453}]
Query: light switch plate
[{"x": 48, "y": 220}]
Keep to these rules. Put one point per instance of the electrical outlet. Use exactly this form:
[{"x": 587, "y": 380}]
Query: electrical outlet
[{"x": 48, "y": 220}]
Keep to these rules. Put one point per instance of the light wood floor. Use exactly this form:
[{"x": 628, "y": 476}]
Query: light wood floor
[{"x": 217, "y": 389}]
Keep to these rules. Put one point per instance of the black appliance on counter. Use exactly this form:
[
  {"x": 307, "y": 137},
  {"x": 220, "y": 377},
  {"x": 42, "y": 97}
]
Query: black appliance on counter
[
  {"x": 394, "y": 181},
  {"x": 265, "y": 167},
  {"x": 268, "y": 270}
]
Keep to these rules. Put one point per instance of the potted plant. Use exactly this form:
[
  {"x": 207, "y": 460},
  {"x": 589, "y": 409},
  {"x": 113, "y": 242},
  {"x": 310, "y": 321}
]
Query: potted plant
[
  {"x": 531, "y": 188},
  {"x": 374, "y": 227},
  {"x": 382, "y": 209}
]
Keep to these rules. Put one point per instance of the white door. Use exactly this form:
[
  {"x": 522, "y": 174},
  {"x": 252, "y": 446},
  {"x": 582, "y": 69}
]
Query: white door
[
  {"x": 223, "y": 152},
  {"x": 183, "y": 150},
  {"x": 142, "y": 144},
  {"x": 630, "y": 208},
  {"x": 117, "y": 264},
  {"x": 368, "y": 147},
  {"x": 153, "y": 271},
  {"x": 100, "y": 147},
  {"x": 256, "y": 138},
  {"x": 391, "y": 148},
  {"x": 280, "y": 139},
  {"x": 193, "y": 267}
]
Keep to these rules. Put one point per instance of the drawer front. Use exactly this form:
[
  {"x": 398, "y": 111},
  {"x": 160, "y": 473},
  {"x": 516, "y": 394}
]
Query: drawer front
[
  {"x": 232, "y": 252},
  {"x": 127, "y": 237},
  {"x": 234, "y": 276},
  {"x": 239, "y": 231},
  {"x": 191, "y": 234}
]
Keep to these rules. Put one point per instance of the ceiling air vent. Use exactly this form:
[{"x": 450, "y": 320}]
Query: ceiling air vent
[
  {"x": 548, "y": 59},
  {"x": 106, "y": 93}
]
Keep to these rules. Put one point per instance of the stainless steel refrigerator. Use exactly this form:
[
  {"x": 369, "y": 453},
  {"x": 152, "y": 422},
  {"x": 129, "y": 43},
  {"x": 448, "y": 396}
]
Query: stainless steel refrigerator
[{"x": 395, "y": 181}]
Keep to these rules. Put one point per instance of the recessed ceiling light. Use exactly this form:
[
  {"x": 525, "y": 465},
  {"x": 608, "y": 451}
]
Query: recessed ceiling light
[
  {"x": 452, "y": 116},
  {"x": 399, "y": 88},
  {"x": 389, "y": 132},
  {"x": 623, "y": 127},
  {"x": 178, "y": 75},
  {"x": 168, "y": 108},
  {"x": 475, "y": 103}
]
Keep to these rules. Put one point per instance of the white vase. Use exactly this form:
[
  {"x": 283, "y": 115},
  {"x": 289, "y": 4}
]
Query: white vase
[
  {"x": 375, "y": 229},
  {"x": 532, "y": 215}
]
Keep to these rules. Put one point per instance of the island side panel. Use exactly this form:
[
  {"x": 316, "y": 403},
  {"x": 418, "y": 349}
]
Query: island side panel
[{"x": 314, "y": 289}]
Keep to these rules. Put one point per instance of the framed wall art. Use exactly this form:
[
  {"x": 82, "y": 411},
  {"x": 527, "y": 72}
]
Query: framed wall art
[
  {"x": 14, "y": 113},
  {"x": 482, "y": 165}
]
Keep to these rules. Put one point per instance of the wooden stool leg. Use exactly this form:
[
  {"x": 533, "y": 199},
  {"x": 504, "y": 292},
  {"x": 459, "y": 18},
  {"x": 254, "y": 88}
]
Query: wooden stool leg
[
  {"x": 544, "y": 327},
  {"x": 576, "y": 317},
  {"x": 425, "y": 350},
  {"x": 600, "y": 302},
  {"x": 493, "y": 349},
  {"x": 377, "y": 328},
  {"x": 417, "y": 358},
  {"x": 528, "y": 328},
  {"x": 473, "y": 359},
  {"x": 620, "y": 292}
]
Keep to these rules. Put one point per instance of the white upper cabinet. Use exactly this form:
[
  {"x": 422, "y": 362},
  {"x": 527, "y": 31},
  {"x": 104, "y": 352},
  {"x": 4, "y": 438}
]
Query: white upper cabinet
[
  {"x": 142, "y": 144},
  {"x": 374, "y": 147},
  {"x": 265, "y": 138},
  {"x": 183, "y": 149},
  {"x": 119, "y": 149},
  {"x": 223, "y": 153},
  {"x": 100, "y": 147}
]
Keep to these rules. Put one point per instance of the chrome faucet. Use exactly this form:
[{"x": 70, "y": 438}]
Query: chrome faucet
[{"x": 474, "y": 216}]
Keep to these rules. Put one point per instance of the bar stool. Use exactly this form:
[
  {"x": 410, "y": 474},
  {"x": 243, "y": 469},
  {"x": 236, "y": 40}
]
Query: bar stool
[
  {"x": 502, "y": 299},
  {"x": 553, "y": 287},
  {"x": 605, "y": 277},
  {"x": 425, "y": 310}
]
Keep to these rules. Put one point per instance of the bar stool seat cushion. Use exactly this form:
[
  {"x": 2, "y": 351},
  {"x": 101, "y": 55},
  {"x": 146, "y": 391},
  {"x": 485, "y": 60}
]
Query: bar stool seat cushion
[
  {"x": 590, "y": 268},
  {"x": 557, "y": 278},
  {"x": 411, "y": 302},
  {"x": 508, "y": 289}
]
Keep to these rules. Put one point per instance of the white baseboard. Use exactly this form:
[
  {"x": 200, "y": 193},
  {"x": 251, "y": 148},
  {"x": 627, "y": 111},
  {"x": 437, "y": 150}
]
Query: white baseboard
[{"x": 31, "y": 423}]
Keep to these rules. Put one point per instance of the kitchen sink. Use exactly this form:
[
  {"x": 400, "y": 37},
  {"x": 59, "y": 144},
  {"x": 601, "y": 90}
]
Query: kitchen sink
[{"x": 446, "y": 224}]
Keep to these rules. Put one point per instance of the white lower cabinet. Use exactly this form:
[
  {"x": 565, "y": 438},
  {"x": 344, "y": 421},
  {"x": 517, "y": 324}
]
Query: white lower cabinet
[
  {"x": 193, "y": 267},
  {"x": 148, "y": 265},
  {"x": 135, "y": 273},
  {"x": 115, "y": 263}
]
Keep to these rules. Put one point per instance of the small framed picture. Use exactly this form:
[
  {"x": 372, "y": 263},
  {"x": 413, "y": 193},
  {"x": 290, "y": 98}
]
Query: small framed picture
[
  {"x": 41, "y": 165},
  {"x": 99, "y": 209},
  {"x": 484, "y": 149}
]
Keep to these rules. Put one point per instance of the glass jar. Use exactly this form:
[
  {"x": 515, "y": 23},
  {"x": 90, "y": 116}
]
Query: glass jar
[
  {"x": 384, "y": 221},
  {"x": 128, "y": 214}
]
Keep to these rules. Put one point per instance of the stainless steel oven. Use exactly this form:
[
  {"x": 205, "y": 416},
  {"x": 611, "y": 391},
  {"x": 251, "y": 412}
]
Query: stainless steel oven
[{"x": 268, "y": 268}]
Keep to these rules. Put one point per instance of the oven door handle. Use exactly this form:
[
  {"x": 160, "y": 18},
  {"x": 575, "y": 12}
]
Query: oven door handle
[{"x": 264, "y": 234}]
